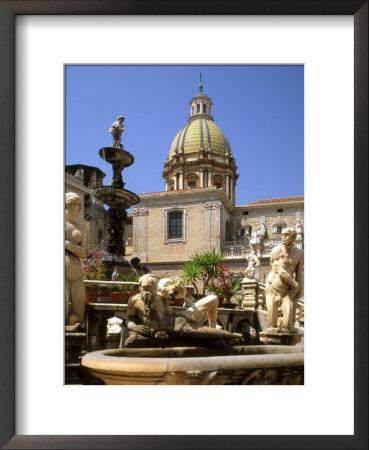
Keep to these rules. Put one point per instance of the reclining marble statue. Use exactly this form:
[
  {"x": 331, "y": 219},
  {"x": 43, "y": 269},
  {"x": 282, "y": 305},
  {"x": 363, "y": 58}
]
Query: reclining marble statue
[
  {"x": 153, "y": 322},
  {"x": 285, "y": 283},
  {"x": 74, "y": 250}
]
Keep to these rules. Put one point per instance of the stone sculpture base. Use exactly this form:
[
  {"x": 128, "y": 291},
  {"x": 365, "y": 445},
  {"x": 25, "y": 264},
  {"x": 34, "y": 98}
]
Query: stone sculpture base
[
  {"x": 74, "y": 350},
  {"x": 277, "y": 337},
  {"x": 250, "y": 294}
]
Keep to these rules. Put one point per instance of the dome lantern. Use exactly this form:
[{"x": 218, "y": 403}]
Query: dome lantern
[{"x": 200, "y": 104}]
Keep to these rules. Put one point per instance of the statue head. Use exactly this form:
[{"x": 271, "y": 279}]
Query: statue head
[
  {"x": 121, "y": 119},
  {"x": 147, "y": 283},
  {"x": 288, "y": 235},
  {"x": 71, "y": 197},
  {"x": 172, "y": 287}
]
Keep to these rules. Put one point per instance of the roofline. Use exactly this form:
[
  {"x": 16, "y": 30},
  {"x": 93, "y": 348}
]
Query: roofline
[
  {"x": 196, "y": 191},
  {"x": 262, "y": 205}
]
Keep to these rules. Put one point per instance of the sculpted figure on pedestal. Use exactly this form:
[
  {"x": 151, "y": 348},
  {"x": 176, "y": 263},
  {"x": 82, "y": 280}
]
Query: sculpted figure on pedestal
[
  {"x": 255, "y": 243},
  {"x": 299, "y": 229},
  {"x": 261, "y": 231},
  {"x": 284, "y": 284},
  {"x": 254, "y": 262},
  {"x": 74, "y": 250},
  {"x": 152, "y": 318},
  {"x": 116, "y": 130}
]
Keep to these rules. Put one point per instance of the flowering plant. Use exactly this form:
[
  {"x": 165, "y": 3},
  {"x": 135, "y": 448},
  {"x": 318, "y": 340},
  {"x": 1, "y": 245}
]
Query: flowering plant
[
  {"x": 93, "y": 268},
  {"x": 223, "y": 285}
]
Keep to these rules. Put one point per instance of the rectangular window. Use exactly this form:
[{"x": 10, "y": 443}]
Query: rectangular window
[
  {"x": 279, "y": 210},
  {"x": 204, "y": 109},
  {"x": 175, "y": 225},
  {"x": 245, "y": 213},
  {"x": 198, "y": 108}
]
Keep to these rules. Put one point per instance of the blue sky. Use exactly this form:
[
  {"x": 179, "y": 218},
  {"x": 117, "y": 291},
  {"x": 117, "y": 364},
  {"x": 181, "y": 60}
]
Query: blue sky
[{"x": 259, "y": 108}]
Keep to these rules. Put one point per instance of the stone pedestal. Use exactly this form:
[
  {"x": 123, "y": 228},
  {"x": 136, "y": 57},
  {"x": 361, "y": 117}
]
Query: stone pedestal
[
  {"x": 271, "y": 337},
  {"x": 250, "y": 294},
  {"x": 75, "y": 344}
]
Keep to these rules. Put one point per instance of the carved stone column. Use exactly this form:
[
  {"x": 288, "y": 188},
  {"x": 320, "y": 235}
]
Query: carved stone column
[
  {"x": 227, "y": 184},
  {"x": 135, "y": 232},
  {"x": 143, "y": 212},
  {"x": 207, "y": 225},
  {"x": 217, "y": 206},
  {"x": 231, "y": 192}
]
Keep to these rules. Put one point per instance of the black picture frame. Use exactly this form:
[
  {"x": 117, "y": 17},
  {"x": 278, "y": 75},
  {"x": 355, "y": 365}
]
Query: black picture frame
[{"x": 8, "y": 12}]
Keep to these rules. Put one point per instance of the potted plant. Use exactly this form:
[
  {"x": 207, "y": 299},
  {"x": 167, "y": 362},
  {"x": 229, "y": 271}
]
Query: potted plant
[
  {"x": 93, "y": 269},
  {"x": 202, "y": 269},
  {"x": 224, "y": 287},
  {"x": 116, "y": 293},
  {"x": 128, "y": 290}
]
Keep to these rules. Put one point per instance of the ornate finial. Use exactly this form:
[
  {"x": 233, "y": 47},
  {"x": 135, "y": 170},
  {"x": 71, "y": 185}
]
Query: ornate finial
[{"x": 200, "y": 85}]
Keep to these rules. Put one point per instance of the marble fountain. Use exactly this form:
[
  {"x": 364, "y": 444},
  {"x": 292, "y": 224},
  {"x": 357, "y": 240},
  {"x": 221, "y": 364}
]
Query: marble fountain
[{"x": 160, "y": 345}]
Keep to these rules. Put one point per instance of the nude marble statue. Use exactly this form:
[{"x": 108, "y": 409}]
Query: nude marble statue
[
  {"x": 151, "y": 308},
  {"x": 116, "y": 130},
  {"x": 254, "y": 262},
  {"x": 74, "y": 250},
  {"x": 284, "y": 286}
]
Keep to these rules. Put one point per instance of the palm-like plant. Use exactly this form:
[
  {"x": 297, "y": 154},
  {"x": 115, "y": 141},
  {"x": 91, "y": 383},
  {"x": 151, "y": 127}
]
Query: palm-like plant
[{"x": 202, "y": 268}]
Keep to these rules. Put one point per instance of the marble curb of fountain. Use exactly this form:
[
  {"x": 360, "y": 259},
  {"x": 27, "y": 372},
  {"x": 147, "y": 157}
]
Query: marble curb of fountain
[{"x": 103, "y": 361}]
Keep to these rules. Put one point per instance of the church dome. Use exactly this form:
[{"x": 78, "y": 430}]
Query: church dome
[{"x": 200, "y": 134}]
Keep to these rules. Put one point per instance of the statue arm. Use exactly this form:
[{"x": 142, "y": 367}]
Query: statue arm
[
  {"x": 188, "y": 302},
  {"x": 287, "y": 278},
  {"x": 300, "y": 276},
  {"x": 132, "y": 314},
  {"x": 78, "y": 250}
]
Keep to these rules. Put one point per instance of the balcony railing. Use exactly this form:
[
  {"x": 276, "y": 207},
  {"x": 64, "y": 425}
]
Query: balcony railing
[{"x": 241, "y": 248}]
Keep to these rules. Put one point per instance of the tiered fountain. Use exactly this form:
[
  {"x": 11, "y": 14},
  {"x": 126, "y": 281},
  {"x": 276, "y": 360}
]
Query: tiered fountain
[{"x": 118, "y": 199}]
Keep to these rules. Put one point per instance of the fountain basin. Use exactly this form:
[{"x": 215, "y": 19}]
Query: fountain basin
[
  {"x": 116, "y": 155},
  {"x": 116, "y": 197},
  {"x": 257, "y": 364}
]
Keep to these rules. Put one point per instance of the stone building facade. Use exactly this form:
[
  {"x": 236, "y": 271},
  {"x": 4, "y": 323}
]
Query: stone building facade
[{"x": 198, "y": 211}]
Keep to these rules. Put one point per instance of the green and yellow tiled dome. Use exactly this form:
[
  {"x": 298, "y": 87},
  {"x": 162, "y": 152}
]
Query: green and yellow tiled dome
[{"x": 200, "y": 134}]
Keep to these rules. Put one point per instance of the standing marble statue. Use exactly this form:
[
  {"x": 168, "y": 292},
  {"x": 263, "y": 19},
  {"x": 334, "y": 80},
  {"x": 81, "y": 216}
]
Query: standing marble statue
[
  {"x": 116, "y": 130},
  {"x": 254, "y": 262},
  {"x": 255, "y": 243},
  {"x": 284, "y": 286},
  {"x": 299, "y": 229},
  {"x": 262, "y": 231},
  {"x": 150, "y": 315},
  {"x": 74, "y": 250}
]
